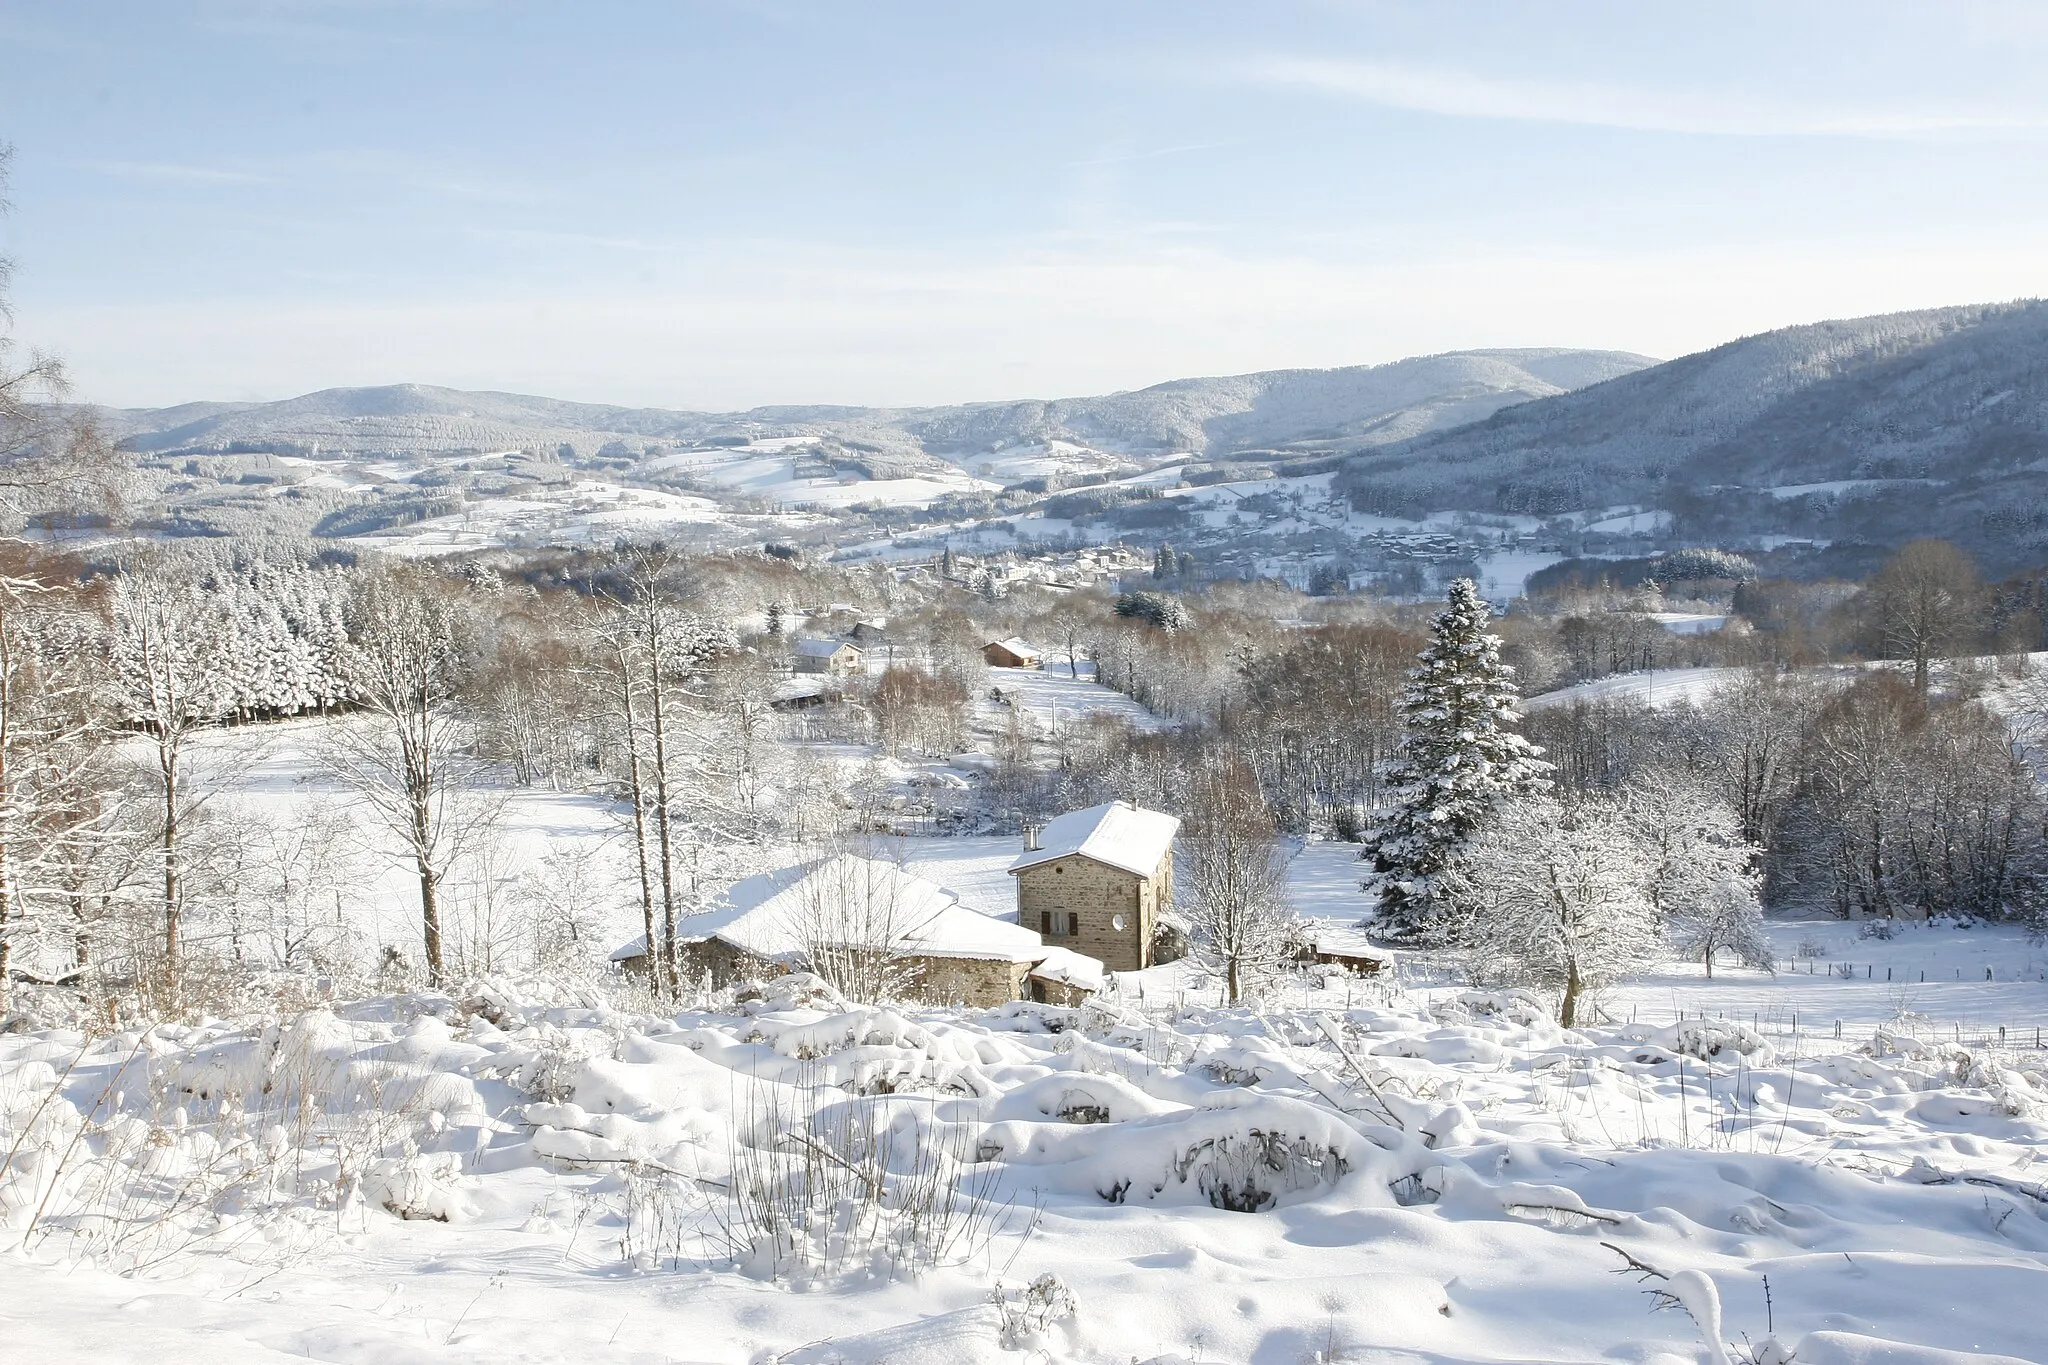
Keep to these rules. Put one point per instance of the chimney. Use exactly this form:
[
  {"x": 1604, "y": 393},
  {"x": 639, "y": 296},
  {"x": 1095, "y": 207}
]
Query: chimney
[{"x": 1031, "y": 838}]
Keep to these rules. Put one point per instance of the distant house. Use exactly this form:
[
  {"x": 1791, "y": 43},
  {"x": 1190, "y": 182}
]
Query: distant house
[
  {"x": 837, "y": 658},
  {"x": 1098, "y": 881},
  {"x": 868, "y": 631},
  {"x": 1012, "y": 653},
  {"x": 780, "y": 921}
]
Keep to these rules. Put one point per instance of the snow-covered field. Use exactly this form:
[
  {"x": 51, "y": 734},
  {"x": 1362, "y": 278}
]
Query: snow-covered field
[{"x": 1422, "y": 1176}]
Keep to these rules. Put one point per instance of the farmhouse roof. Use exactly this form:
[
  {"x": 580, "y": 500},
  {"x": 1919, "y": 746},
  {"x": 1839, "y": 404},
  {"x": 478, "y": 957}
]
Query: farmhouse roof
[
  {"x": 1116, "y": 833},
  {"x": 822, "y": 649},
  {"x": 1018, "y": 646}
]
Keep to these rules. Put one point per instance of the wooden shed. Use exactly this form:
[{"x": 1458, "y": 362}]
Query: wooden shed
[{"x": 1012, "y": 653}]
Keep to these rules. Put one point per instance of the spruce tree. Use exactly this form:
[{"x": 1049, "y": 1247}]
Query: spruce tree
[{"x": 1457, "y": 760}]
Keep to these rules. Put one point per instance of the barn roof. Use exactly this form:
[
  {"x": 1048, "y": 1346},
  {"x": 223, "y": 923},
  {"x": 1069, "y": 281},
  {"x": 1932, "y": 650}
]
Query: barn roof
[
  {"x": 845, "y": 899},
  {"x": 822, "y": 649},
  {"x": 1017, "y": 646},
  {"x": 1342, "y": 940},
  {"x": 1116, "y": 833}
]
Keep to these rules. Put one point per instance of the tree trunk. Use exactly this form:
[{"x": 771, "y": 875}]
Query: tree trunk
[
  {"x": 1710, "y": 961},
  {"x": 1568, "y": 1008},
  {"x": 173, "y": 947},
  {"x": 430, "y": 924},
  {"x": 661, "y": 828}
]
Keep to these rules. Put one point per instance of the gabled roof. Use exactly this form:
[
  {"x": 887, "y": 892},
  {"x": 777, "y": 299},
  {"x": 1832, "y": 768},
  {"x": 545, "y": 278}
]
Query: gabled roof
[
  {"x": 844, "y": 899},
  {"x": 1015, "y": 645},
  {"x": 1117, "y": 833},
  {"x": 823, "y": 649}
]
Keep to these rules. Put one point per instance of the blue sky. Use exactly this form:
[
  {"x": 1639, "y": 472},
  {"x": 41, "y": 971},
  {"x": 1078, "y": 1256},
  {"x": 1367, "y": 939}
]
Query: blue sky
[{"x": 724, "y": 204}]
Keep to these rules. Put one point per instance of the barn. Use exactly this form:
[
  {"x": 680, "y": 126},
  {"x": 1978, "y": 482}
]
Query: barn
[{"x": 948, "y": 954}]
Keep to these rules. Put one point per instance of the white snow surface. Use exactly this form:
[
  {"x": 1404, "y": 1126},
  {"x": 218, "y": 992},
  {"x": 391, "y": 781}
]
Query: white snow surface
[{"x": 1438, "y": 1176}]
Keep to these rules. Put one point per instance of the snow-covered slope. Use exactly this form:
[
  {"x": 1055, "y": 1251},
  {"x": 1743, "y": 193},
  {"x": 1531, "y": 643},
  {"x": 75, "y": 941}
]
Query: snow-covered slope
[{"x": 1875, "y": 428}]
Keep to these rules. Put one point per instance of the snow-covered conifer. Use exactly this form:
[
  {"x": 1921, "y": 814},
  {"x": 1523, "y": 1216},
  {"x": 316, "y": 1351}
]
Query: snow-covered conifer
[{"x": 1457, "y": 760}]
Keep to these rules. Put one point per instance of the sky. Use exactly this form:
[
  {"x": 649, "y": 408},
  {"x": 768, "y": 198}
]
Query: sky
[{"x": 722, "y": 204}]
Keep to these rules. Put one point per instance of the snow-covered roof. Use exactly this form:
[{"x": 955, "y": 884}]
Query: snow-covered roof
[
  {"x": 789, "y": 689},
  {"x": 1022, "y": 648},
  {"x": 1070, "y": 968},
  {"x": 822, "y": 649},
  {"x": 1343, "y": 940},
  {"x": 1117, "y": 833},
  {"x": 774, "y": 915}
]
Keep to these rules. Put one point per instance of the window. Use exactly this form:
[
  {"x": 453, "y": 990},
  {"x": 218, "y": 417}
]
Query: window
[{"x": 1058, "y": 923}]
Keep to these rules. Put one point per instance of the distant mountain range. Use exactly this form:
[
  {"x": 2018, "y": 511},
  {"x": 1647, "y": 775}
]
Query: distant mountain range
[
  {"x": 1839, "y": 439},
  {"x": 1293, "y": 410},
  {"x": 1868, "y": 431}
]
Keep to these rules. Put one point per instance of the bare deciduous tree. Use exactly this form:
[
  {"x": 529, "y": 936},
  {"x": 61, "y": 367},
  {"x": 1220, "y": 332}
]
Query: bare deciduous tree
[
  {"x": 412, "y": 761},
  {"x": 1927, "y": 600},
  {"x": 170, "y": 680},
  {"x": 52, "y": 456},
  {"x": 1235, "y": 885}
]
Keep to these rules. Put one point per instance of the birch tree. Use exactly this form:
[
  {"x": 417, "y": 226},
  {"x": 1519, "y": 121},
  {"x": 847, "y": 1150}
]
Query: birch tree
[{"x": 171, "y": 684}]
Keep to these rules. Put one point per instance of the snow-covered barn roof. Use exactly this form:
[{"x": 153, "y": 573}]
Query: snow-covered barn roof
[
  {"x": 1117, "y": 833},
  {"x": 775, "y": 915},
  {"x": 1343, "y": 940},
  {"x": 1018, "y": 646},
  {"x": 822, "y": 649}
]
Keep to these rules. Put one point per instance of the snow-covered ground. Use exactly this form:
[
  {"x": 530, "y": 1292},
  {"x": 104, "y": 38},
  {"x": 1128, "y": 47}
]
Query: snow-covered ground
[
  {"x": 1057, "y": 700},
  {"x": 1841, "y": 1156},
  {"x": 1654, "y": 687},
  {"x": 1373, "y": 1176}
]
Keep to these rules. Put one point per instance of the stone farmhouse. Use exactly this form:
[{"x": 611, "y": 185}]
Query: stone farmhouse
[
  {"x": 1098, "y": 881},
  {"x": 783, "y": 920}
]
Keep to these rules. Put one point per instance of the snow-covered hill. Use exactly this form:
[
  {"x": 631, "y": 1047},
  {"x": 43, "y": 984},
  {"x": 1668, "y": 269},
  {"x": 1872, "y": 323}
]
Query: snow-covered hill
[
  {"x": 1875, "y": 429},
  {"x": 1209, "y": 417}
]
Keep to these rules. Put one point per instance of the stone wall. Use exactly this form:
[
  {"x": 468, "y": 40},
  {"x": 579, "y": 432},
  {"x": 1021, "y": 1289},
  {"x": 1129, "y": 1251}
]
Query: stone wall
[
  {"x": 1095, "y": 894},
  {"x": 980, "y": 982}
]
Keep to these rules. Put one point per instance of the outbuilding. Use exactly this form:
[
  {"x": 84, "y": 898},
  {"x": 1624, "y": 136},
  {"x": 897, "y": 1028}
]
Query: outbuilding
[{"x": 1012, "y": 653}]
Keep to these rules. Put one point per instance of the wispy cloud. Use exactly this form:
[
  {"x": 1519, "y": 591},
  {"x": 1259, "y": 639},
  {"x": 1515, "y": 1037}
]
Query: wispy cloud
[
  {"x": 1466, "y": 94},
  {"x": 175, "y": 172}
]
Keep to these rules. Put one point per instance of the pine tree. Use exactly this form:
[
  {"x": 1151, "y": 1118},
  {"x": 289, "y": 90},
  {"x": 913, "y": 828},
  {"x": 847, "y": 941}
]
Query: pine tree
[{"x": 1456, "y": 761}]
